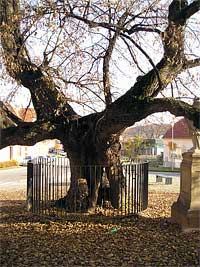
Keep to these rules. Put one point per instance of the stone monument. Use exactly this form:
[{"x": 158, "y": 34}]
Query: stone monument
[{"x": 186, "y": 211}]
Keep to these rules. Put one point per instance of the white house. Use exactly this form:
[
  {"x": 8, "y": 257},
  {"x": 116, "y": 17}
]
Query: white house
[
  {"x": 18, "y": 152},
  {"x": 177, "y": 140}
]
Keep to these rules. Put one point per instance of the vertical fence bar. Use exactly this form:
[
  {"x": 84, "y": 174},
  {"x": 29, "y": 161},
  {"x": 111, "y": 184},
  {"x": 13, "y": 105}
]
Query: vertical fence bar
[
  {"x": 47, "y": 180},
  {"x": 96, "y": 173},
  {"x": 128, "y": 187},
  {"x": 61, "y": 184},
  {"x": 135, "y": 189},
  {"x": 132, "y": 189},
  {"x": 41, "y": 184},
  {"x": 122, "y": 190},
  {"x": 65, "y": 181},
  {"x": 57, "y": 182},
  {"x": 90, "y": 179},
  {"x": 66, "y": 178},
  {"x": 34, "y": 186},
  {"x": 47, "y": 184},
  {"x": 30, "y": 186},
  {"x": 138, "y": 191},
  {"x": 145, "y": 186},
  {"x": 119, "y": 191},
  {"x": 125, "y": 193},
  {"x": 140, "y": 187},
  {"x": 53, "y": 181},
  {"x": 33, "y": 205},
  {"x": 61, "y": 178}
]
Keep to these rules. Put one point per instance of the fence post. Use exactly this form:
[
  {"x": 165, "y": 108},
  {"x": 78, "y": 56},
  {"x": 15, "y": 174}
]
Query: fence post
[
  {"x": 145, "y": 185},
  {"x": 29, "y": 186}
]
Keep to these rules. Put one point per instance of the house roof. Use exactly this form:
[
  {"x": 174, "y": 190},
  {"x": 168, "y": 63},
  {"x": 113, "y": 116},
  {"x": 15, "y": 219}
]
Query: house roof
[
  {"x": 27, "y": 115},
  {"x": 180, "y": 130},
  {"x": 4, "y": 120}
]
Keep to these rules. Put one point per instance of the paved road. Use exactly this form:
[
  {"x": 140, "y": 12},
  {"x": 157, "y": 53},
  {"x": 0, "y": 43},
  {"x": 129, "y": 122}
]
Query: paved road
[
  {"x": 170, "y": 174},
  {"x": 16, "y": 179},
  {"x": 13, "y": 179}
]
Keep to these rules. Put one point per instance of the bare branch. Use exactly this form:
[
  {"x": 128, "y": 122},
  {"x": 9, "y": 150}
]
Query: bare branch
[
  {"x": 46, "y": 99},
  {"x": 90, "y": 23},
  {"x": 132, "y": 55},
  {"x": 7, "y": 112},
  {"x": 27, "y": 133},
  {"x": 179, "y": 11},
  {"x": 106, "y": 61},
  {"x": 142, "y": 29},
  {"x": 193, "y": 8},
  {"x": 191, "y": 63},
  {"x": 130, "y": 112},
  {"x": 160, "y": 85},
  {"x": 79, "y": 63}
]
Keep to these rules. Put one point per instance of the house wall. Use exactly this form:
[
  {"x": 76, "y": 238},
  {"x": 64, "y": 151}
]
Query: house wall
[
  {"x": 160, "y": 150},
  {"x": 174, "y": 158},
  {"x": 41, "y": 148},
  {"x": 19, "y": 152},
  {"x": 5, "y": 154}
]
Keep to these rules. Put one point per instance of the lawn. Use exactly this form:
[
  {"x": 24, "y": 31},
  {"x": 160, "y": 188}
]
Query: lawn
[{"x": 152, "y": 239}]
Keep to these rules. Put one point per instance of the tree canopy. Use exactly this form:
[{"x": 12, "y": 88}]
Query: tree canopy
[{"x": 72, "y": 54}]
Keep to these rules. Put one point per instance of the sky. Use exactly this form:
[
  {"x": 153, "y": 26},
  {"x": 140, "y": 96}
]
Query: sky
[{"x": 122, "y": 81}]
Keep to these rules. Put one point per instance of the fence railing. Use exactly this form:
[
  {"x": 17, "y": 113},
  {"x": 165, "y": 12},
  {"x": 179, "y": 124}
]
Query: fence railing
[{"x": 121, "y": 192}]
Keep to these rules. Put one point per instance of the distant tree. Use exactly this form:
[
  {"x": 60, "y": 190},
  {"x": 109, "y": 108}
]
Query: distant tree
[
  {"x": 72, "y": 53},
  {"x": 132, "y": 147}
]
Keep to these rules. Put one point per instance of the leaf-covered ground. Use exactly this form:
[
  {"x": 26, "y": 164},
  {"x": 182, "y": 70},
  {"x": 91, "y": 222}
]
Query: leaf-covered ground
[{"x": 149, "y": 240}]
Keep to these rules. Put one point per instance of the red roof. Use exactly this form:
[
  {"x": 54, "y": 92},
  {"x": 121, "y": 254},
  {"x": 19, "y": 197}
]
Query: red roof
[
  {"x": 180, "y": 130},
  {"x": 27, "y": 115}
]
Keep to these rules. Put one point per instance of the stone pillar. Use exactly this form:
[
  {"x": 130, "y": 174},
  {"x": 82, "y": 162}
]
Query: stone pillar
[{"x": 186, "y": 211}]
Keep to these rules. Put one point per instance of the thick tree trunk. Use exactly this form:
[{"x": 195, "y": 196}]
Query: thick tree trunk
[
  {"x": 95, "y": 177},
  {"x": 114, "y": 173}
]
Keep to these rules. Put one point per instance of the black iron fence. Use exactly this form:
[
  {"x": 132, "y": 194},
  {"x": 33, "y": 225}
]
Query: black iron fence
[{"x": 52, "y": 190}]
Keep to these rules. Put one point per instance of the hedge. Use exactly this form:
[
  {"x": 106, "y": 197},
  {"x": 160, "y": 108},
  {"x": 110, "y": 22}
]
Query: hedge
[{"x": 9, "y": 163}]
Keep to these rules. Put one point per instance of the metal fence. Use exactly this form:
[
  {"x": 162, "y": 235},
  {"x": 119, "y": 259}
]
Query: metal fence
[{"x": 49, "y": 181}]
